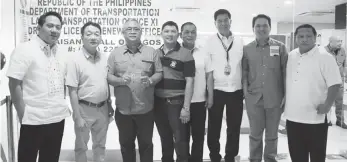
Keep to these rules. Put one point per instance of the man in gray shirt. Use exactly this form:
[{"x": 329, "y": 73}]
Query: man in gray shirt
[
  {"x": 134, "y": 70},
  {"x": 263, "y": 70},
  {"x": 334, "y": 48}
]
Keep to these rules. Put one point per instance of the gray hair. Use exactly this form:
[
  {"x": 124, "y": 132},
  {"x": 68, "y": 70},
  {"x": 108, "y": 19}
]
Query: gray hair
[{"x": 129, "y": 20}]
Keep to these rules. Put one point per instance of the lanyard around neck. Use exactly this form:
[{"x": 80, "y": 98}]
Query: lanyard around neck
[{"x": 227, "y": 49}]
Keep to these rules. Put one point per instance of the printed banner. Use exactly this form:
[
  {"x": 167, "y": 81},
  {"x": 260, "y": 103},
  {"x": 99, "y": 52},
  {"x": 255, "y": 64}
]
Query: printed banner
[{"x": 110, "y": 14}]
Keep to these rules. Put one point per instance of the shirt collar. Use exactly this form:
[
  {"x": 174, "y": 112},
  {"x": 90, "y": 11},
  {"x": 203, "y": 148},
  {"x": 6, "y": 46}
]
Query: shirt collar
[
  {"x": 331, "y": 50},
  {"x": 268, "y": 42},
  {"x": 176, "y": 48},
  {"x": 310, "y": 52},
  {"x": 46, "y": 47},
  {"x": 195, "y": 48},
  {"x": 88, "y": 55},
  {"x": 221, "y": 36},
  {"x": 127, "y": 50}
]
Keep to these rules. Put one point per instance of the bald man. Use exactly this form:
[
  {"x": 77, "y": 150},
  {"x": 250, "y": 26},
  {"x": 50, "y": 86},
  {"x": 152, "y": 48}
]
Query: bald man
[
  {"x": 134, "y": 70},
  {"x": 334, "y": 48}
]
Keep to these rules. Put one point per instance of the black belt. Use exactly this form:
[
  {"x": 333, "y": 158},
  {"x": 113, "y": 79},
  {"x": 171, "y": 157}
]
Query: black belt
[
  {"x": 171, "y": 98},
  {"x": 100, "y": 104}
]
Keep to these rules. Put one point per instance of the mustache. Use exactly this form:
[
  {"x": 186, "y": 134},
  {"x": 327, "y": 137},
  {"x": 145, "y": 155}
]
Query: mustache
[{"x": 54, "y": 34}]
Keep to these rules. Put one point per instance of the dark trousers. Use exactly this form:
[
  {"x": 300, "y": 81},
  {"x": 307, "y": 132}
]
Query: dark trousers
[
  {"x": 132, "y": 126},
  {"x": 234, "y": 111},
  {"x": 197, "y": 128},
  {"x": 45, "y": 139},
  {"x": 173, "y": 133},
  {"x": 307, "y": 141}
]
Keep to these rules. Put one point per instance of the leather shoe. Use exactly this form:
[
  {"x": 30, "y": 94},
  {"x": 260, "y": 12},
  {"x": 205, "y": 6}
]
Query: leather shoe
[{"x": 282, "y": 131}]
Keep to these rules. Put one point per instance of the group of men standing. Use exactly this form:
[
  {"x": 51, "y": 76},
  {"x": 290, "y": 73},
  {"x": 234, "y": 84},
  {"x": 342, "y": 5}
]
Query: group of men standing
[{"x": 174, "y": 87}]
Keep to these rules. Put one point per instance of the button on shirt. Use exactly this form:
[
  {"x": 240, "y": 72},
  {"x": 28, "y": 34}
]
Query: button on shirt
[
  {"x": 88, "y": 74},
  {"x": 42, "y": 72},
  {"x": 309, "y": 76},
  {"x": 202, "y": 66},
  {"x": 215, "y": 49},
  {"x": 265, "y": 66},
  {"x": 134, "y": 98}
]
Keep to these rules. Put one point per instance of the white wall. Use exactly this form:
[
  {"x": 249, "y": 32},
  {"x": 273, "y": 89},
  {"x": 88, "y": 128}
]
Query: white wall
[
  {"x": 240, "y": 24},
  {"x": 287, "y": 27}
]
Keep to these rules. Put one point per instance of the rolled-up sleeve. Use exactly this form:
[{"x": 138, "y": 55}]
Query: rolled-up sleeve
[
  {"x": 330, "y": 70},
  {"x": 20, "y": 62}
]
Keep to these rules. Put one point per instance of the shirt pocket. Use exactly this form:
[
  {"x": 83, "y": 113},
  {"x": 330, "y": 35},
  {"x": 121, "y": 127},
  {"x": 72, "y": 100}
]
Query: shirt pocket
[
  {"x": 273, "y": 62},
  {"x": 148, "y": 66},
  {"x": 120, "y": 66}
]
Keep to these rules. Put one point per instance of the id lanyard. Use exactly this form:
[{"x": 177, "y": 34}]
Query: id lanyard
[{"x": 227, "y": 49}]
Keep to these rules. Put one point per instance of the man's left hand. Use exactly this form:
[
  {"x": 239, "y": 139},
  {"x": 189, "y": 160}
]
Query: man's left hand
[
  {"x": 110, "y": 109},
  {"x": 323, "y": 109},
  {"x": 145, "y": 81},
  {"x": 209, "y": 103},
  {"x": 185, "y": 116}
]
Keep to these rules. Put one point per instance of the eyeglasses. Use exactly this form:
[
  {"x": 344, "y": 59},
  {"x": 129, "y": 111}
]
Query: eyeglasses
[{"x": 132, "y": 29}]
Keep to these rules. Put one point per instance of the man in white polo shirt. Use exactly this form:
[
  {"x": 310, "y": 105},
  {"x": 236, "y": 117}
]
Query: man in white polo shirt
[
  {"x": 226, "y": 51},
  {"x": 203, "y": 91},
  {"x": 312, "y": 84},
  {"x": 36, "y": 81},
  {"x": 89, "y": 94}
]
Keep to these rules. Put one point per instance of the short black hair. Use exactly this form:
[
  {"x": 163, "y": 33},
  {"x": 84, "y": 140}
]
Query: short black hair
[
  {"x": 170, "y": 23},
  {"x": 305, "y": 26},
  {"x": 42, "y": 18},
  {"x": 89, "y": 23},
  {"x": 259, "y": 17},
  {"x": 187, "y": 23},
  {"x": 221, "y": 12}
]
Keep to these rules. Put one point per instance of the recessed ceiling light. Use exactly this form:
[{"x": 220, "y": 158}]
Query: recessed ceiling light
[{"x": 288, "y": 2}]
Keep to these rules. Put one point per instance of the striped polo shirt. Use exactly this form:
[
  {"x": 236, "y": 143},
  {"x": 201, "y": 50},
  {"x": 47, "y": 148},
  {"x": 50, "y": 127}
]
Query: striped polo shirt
[{"x": 177, "y": 64}]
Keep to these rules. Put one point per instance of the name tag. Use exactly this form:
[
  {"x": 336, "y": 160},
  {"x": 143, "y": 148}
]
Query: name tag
[{"x": 274, "y": 50}]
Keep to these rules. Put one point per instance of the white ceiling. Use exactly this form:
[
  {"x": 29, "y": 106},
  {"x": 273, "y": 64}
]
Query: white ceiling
[{"x": 276, "y": 9}]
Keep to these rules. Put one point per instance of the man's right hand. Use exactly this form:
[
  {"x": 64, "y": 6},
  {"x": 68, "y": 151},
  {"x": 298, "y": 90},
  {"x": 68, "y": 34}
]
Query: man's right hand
[
  {"x": 126, "y": 79},
  {"x": 80, "y": 122}
]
